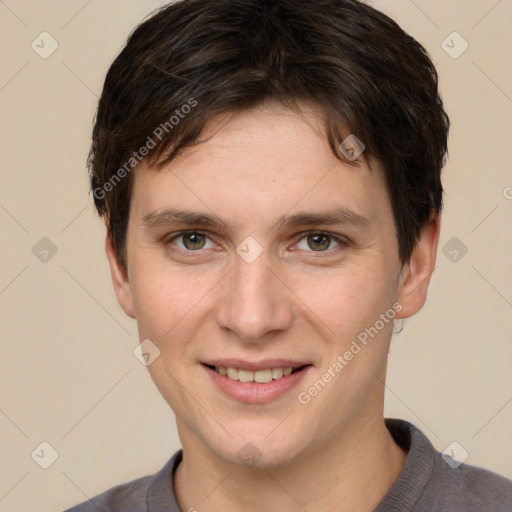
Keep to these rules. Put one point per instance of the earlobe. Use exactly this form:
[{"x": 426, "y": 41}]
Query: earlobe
[
  {"x": 120, "y": 279},
  {"x": 416, "y": 274}
]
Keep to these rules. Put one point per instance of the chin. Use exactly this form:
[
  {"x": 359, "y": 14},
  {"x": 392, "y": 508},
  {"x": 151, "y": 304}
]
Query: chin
[{"x": 259, "y": 450}]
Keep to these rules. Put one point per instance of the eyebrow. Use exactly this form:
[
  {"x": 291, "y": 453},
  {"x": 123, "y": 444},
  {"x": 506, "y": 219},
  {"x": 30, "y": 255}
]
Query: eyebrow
[
  {"x": 342, "y": 216},
  {"x": 168, "y": 216}
]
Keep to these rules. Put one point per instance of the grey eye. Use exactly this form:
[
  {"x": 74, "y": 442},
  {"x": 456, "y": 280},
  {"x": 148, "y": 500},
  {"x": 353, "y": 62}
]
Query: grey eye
[
  {"x": 193, "y": 241},
  {"x": 317, "y": 242}
]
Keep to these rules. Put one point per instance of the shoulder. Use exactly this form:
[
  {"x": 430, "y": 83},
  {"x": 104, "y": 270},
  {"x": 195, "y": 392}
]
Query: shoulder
[
  {"x": 432, "y": 481},
  {"x": 140, "y": 495},
  {"x": 128, "y": 496},
  {"x": 471, "y": 488}
]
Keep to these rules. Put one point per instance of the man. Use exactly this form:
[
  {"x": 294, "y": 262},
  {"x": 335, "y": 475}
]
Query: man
[{"x": 269, "y": 174}]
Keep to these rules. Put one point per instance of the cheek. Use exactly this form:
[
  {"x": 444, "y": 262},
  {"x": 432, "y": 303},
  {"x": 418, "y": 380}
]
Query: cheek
[
  {"x": 166, "y": 301},
  {"x": 345, "y": 301}
]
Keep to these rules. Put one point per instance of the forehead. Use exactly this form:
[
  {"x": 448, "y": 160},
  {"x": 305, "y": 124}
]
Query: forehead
[{"x": 266, "y": 160}]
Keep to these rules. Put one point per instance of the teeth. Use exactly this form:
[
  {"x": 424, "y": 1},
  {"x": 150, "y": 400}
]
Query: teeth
[
  {"x": 232, "y": 373},
  {"x": 245, "y": 376},
  {"x": 277, "y": 373},
  {"x": 261, "y": 376}
]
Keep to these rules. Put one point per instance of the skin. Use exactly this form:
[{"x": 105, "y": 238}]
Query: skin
[{"x": 293, "y": 301}]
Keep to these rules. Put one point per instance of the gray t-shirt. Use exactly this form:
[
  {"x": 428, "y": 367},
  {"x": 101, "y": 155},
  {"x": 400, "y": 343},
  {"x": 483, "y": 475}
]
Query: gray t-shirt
[{"x": 427, "y": 483}]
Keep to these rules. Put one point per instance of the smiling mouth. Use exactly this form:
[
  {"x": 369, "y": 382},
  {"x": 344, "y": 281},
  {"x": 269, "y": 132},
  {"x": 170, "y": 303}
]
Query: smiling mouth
[{"x": 259, "y": 376}]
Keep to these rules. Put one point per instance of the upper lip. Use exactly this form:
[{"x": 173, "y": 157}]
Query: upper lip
[{"x": 255, "y": 365}]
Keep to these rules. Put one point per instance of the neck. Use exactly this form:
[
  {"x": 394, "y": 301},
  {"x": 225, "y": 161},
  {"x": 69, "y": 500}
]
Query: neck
[{"x": 353, "y": 470}]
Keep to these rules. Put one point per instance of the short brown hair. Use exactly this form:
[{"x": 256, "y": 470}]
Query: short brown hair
[{"x": 195, "y": 59}]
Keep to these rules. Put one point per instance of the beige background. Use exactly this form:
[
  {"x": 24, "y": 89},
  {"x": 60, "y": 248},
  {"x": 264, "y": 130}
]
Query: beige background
[{"x": 68, "y": 375}]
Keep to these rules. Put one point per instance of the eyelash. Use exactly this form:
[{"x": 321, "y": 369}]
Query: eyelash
[{"x": 341, "y": 241}]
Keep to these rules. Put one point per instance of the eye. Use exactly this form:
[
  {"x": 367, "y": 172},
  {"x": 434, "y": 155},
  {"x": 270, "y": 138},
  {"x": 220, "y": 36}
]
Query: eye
[
  {"x": 191, "y": 241},
  {"x": 319, "y": 242}
]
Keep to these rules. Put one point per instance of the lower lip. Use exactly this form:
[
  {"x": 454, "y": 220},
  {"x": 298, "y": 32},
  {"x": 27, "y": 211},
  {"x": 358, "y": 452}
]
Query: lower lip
[{"x": 255, "y": 392}]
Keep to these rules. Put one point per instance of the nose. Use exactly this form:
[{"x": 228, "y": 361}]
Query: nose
[{"x": 255, "y": 302}]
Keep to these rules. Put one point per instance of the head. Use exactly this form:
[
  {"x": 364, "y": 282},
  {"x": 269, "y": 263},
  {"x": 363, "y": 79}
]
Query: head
[{"x": 235, "y": 122}]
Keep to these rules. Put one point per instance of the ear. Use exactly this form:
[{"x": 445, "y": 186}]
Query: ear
[
  {"x": 415, "y": 275},
  {"x": 120, "y": 279}
]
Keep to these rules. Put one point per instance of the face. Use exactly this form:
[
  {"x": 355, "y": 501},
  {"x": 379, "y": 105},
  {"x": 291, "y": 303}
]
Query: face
[{"x": 257, "y": 252}]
